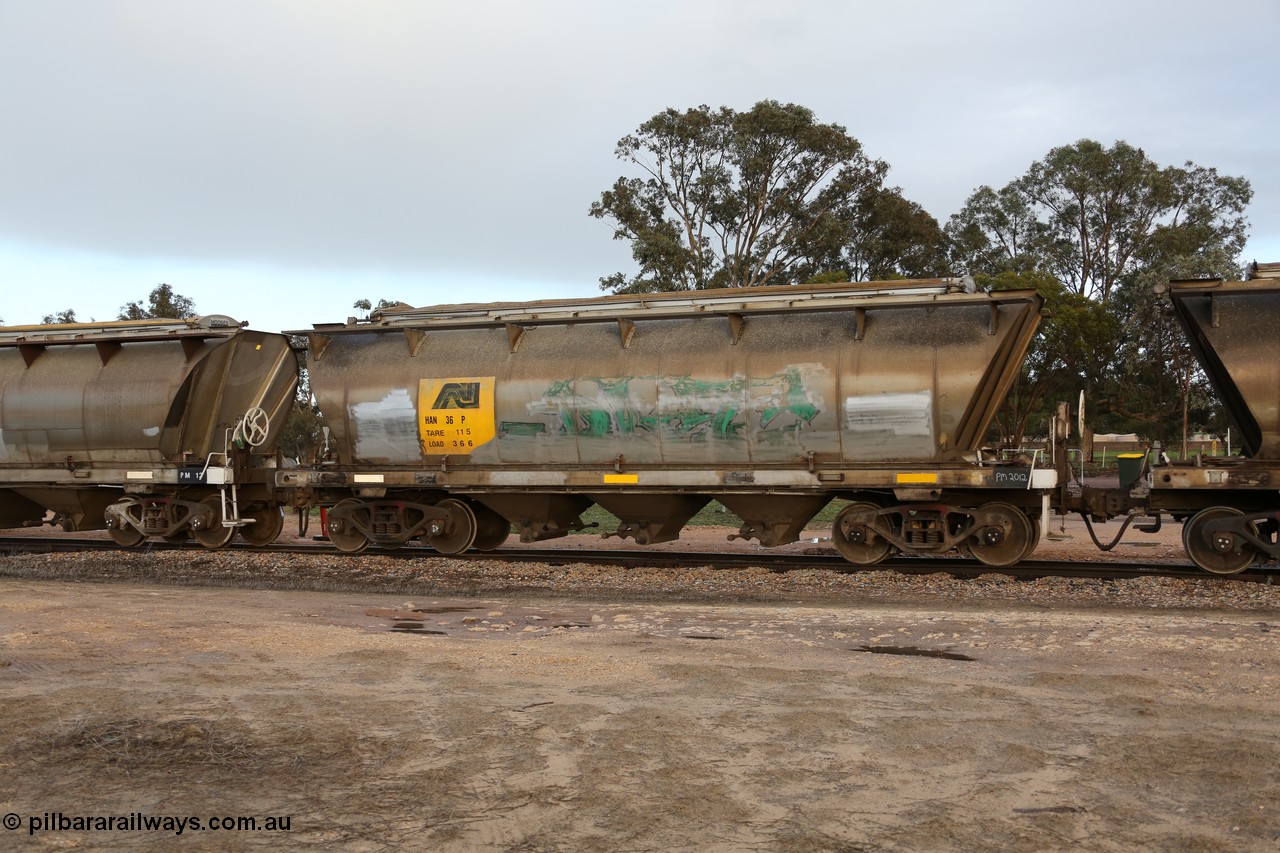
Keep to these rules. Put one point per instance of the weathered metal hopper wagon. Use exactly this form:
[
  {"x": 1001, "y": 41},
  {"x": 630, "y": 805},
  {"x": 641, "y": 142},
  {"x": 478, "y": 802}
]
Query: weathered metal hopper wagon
[
  {"x": 451, "y": 424},
  {"x": 1232, "y": 328},
  {"x": 147, "y": 428}
]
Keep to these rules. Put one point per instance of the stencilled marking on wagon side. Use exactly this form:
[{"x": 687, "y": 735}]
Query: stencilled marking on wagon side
[{"x": 456, "y": 414}]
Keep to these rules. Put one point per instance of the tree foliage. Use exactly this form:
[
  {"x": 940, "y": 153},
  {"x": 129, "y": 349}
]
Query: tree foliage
[
  {"x": 1095, "y": 217},
  {"x": 366, "y": 307},
  {"x": 730, "y": 199},
  {"x": 302, "y": 436},
  {"x": 162, "y": 302},
  {"x": 67, "y": 316},
  {"x": 889, "y": 236}
]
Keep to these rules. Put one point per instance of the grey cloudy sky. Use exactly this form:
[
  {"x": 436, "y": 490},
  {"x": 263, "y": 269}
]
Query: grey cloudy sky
[{"x": 278, "y": 159}]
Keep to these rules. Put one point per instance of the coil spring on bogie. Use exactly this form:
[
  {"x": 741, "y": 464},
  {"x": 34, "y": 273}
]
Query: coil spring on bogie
[
  {"x": 923, "y": 531},
  {"x": 155, "y": 518}
]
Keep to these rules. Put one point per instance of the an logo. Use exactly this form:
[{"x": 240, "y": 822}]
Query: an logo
[
  {"x": 455, "y": 414},
  {"x": 458, "y": 395}
]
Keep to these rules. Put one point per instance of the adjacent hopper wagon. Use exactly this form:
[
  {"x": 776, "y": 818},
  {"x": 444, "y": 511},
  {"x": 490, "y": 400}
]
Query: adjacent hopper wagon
[
  {"x": 1233, "y": 504},
  {"x": 145, "y": 428}
]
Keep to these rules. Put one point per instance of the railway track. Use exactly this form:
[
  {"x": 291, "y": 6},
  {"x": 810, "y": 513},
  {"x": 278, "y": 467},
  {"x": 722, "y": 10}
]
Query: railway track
[{"x": 777, "y": 562}]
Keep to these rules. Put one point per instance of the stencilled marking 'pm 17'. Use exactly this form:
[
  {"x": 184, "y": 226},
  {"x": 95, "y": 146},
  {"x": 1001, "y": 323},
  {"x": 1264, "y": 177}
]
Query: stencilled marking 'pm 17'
[{"x": 455, "y": 414}]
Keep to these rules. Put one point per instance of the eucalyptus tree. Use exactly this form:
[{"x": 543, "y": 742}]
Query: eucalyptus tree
[
  {"x": 736, "y": 199},
  {"x": 1095, "y": 217},
  {"x": 888, "y": 236},
  {"x": 161, "y": 302},
  {"x": 67, "y": 316}
]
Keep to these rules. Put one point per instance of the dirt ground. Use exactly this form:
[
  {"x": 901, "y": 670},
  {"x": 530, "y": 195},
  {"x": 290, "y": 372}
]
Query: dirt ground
[{"x": 378, "y": 722}]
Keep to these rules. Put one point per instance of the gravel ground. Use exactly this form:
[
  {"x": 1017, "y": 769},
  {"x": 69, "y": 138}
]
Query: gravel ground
[{"x": 460, "y": 705}]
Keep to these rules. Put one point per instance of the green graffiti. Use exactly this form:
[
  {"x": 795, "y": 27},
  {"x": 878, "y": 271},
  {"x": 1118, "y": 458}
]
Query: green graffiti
[
  {"x": 797, "y": 402},
  {"x": 693, "y": 409}
]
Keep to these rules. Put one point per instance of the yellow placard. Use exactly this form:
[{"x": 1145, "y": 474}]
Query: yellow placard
[
  {"x": 621, "y": 479},
  {"x": 455, "y": 415},
  {"x": 917, "y": 478}
]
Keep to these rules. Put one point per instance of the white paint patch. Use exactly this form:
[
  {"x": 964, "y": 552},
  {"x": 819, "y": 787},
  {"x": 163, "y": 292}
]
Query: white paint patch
[
  {"x": 387, "y": 430},
  {"x": 904, "y": 414},
  {"x": 786, "y": 478},
  {"x": 890, "y": 426},
  {"x": 527, "y": 478},
  {"x": 151, "y": 432},
  {"x": 1043, "y": 478}
]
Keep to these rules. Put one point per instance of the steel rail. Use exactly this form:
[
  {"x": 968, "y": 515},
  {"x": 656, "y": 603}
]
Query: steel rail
[{"x": 774, "y": 562}]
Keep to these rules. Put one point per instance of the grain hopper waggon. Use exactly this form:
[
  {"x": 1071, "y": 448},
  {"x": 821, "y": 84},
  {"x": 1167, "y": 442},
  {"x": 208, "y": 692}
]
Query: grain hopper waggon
[
  {"x": 146, "y": 428},
  {"x": 451, "y": 424},
  {"x": 1232, "y": 505}
]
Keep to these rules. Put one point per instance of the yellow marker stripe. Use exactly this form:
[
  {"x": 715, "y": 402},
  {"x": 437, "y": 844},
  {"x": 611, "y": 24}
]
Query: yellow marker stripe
[
  {"x": 917, "y": 478},
  {"x": 621, "y": 479}
]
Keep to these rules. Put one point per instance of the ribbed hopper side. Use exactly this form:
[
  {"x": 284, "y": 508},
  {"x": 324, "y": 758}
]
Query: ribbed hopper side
[
  {"x": 135, "y": 392},
  {"x": 1234, "y": 330},
  {"x": 907, "y": 372}
]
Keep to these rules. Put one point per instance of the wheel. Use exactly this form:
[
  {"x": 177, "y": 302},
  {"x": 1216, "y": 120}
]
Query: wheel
[
  {"x": 1035, "y": 539},
  {"x": 213, "y": 535},
  {"x": 491, "y": 529},
  {"x": 344, "y": 535},
  {"x": 856, "y": 543},
  {"x": 123, "y": 534},
  {"x": 1221, "y": 552},
  {"x": 1006, "y": 538},
  {"x": 459, "y": 529},
  {"x": 126, "y": 537},
  {"x": 268, "y": 522}
]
